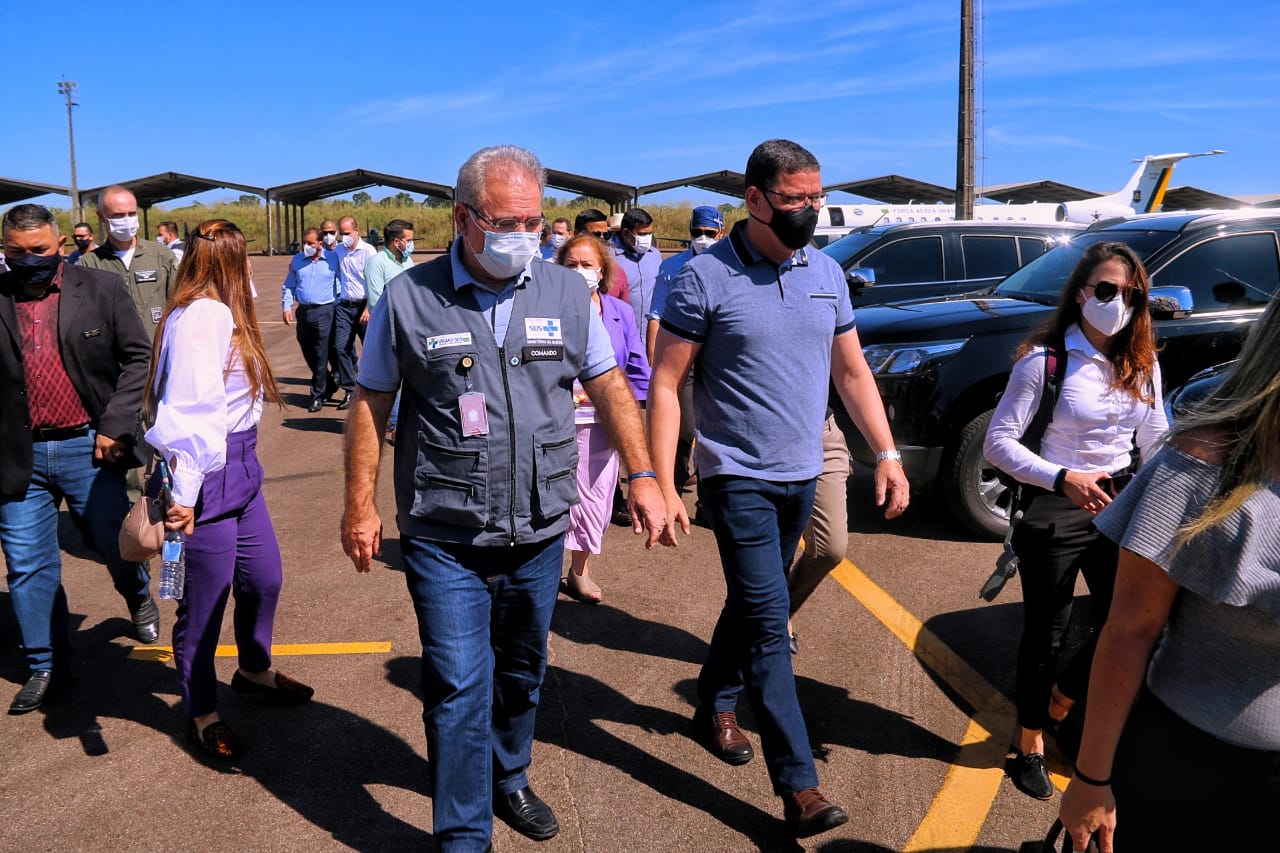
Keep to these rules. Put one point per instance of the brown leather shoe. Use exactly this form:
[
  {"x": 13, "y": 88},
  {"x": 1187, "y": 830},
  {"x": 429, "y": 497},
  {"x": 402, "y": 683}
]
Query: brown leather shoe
[
  {"x": 807, "y": 813},
  {"x": 719, "y": 734}
]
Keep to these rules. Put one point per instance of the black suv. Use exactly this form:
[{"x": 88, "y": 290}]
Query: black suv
[
  {"x": 941, "y": 364},
  {"x": 889, "y": 263}
]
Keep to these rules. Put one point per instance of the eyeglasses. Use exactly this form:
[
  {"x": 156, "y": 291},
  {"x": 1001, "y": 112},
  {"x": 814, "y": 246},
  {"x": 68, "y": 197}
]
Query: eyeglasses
[
  {"x": 603, "y": 233},
  {"x": 703, "y": 232},
  {"x": 796, "y": 201},
  {"x": 328, "y": 232},
  {"x": 1105, "y": 291},
  {"x": 509, "y": 224}
]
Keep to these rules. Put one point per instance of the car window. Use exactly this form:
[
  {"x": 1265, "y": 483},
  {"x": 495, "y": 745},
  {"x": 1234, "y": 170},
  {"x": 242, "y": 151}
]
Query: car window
[
  {"x": 907, "y": 261},
  {"x": 1235, "y": 271},
  {"x": 1031, "y": 248},
  {"x": 989, "y": 256},
  {"x": 842, "y": 250},
  {"x": 1043, "y": 278}
]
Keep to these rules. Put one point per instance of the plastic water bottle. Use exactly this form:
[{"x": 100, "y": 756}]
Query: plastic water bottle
[{"x": 173, "y": 576}]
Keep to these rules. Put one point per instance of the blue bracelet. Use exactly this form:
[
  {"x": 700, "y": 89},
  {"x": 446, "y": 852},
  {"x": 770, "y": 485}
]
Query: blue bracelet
[{"x": 640, "y": 475}]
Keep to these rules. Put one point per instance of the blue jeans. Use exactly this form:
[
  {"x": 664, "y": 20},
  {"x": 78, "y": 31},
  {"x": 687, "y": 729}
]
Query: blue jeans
[
  {"x": 757, "y": 525},
  {"x": 62, "y": 470},
  {"x": 483, "y": 616}
]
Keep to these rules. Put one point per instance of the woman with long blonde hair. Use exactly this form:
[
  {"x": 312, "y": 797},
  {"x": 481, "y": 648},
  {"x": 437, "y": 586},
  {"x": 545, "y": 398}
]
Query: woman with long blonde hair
[
  {"x": 1181, "y": 746},
  {"x": 209, "y": 377}
]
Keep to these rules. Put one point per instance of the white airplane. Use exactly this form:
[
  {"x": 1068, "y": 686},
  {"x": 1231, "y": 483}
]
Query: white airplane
[{"x": 1144, "y": 193}]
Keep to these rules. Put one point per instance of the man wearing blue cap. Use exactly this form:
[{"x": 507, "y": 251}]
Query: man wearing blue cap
[{"x": 706, "y": 226}]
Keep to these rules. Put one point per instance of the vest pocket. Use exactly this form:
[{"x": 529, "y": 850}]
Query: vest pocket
[
  {"x": 451, "y": 484},
  {"x": 555, "y": 473}
]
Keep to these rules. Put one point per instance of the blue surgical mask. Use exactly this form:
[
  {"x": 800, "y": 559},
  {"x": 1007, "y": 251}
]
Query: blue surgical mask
[
  {"x": 348, "y": 240},
  {"x": 408, "y": 248}
]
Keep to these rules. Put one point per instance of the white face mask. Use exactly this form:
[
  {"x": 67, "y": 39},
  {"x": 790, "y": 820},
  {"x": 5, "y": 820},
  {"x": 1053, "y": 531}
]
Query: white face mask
[
  {"x": 701, "y": 244},
  {"x": 161, "y": 241},
  {"x": 505, "y": 255},
  {"x": 348, "y": 240},
  {"x": 643, "y": 243},
  {"x": 592, "y": 277},
  {"x": 558, "y": 240},
  {"x": 1107, "y": 317},
  {"x": 122, "y": 227},
  {"x": 330, "y": 240},
  {"x": 309, "y": 251}
]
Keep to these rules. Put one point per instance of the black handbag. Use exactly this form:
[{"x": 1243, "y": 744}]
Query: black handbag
[{"x": 1051, "y": 842}]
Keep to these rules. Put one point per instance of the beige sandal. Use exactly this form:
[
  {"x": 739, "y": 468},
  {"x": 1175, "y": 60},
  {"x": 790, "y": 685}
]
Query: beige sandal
[{"x": 581, "y": 588}]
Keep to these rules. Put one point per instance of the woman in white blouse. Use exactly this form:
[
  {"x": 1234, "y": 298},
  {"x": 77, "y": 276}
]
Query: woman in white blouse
[
  {"x": 209, "y": 377},
  {"x": 1110, "y": 398}
]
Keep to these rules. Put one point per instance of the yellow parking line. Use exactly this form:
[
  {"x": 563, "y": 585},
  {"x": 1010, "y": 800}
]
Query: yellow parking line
[
  {"x": 954, "y": 819},
  {"x": 164, "y": 653}
]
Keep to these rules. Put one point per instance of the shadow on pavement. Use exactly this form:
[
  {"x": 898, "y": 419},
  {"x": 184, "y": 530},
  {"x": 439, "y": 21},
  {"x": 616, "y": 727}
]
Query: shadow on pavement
[
  {"x": 317, "y": 759},
  {"x": 317, "y": 422}
]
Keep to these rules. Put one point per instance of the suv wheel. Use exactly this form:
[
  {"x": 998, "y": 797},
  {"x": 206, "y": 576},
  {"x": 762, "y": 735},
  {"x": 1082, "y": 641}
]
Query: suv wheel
[{"x": 973, "y": 492}]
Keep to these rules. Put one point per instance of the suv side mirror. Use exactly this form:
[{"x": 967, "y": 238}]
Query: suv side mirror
[
  {"x": 1170, "y": 303},
  {"x": 861, "y": 277}
]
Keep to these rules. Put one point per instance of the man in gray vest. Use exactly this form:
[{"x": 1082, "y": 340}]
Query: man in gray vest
[{"x": 484, "y": 344}]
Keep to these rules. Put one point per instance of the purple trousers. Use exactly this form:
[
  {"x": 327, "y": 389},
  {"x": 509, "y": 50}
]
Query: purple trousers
[{"x": 233, "y": 550}]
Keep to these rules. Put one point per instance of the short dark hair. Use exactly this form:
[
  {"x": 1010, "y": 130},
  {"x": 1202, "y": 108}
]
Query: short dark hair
[
  {"x": 310, "y": 231},
  {"x": 171, "y": 225},
  {"x": 636, "y": 217},
  {"x": 777, "y": 157},
  {"x": 82, "y": 225},
  {"x": 28, "y": 217},
  {"x": 560, "y": 219},
  {"x": 586, "y": 217},
  {"x": 395, "y": 229}
]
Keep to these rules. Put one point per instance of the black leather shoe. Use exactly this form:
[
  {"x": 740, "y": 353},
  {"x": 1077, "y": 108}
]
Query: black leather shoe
[
  {"x": 32, "y": 694},
  {"x": 1030, "y": 775},
  {"x": 346, "y": 402},
  {"x": 526, "y": 813},
  {"x": 146, "y": 621},
  {"x": 316, "y": 405}
]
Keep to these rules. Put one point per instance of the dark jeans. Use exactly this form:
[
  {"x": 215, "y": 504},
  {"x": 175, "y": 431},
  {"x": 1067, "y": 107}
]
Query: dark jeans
[
  {"x": 483, "y": 617},
  {"x": 315, "y": 336},
  {"x": 1180, "y": 788},
  {"x": 684, "y": 442},
  {"x": 1055, "y": 543},
  {"x": 757, "y": 525},
  {"x": 346, "y": 327}
]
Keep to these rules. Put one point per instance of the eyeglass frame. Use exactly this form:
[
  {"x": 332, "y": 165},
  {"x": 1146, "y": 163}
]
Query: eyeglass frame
[
  {"x": 1105, "y": 291},
  {"x": 507, "y": 225},
  {"x": 797, "y": 202}
]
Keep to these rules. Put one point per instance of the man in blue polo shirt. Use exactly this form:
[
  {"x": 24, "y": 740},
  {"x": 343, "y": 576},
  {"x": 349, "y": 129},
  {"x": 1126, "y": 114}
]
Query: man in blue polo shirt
[
  {"x": 770, "y": 323},
  {"x": 308, "y": 295}
]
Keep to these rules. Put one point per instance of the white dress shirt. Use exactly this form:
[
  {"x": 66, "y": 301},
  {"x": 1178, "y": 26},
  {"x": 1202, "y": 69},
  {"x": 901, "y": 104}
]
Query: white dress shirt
[
  {"x": 206, "y": 395},
  {"x": 1093, "y": 424},
  {"x": 351, "y": 264}
]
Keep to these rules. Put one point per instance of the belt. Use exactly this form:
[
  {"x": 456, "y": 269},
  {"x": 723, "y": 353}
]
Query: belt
[
  {"x": 59, "y": 433},
  {"x": 353, "y": 301}
]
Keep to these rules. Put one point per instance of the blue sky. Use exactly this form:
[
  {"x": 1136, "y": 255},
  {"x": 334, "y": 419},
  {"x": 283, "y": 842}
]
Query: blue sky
[{"x": 269, "y": 93}]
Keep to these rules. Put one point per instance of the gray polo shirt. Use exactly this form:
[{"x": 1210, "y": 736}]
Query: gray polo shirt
[{"x": 763, "y": 369}]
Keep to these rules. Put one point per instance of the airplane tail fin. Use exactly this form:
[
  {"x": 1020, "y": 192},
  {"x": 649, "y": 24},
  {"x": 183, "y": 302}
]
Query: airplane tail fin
[{"x": 1144, "y": 193}]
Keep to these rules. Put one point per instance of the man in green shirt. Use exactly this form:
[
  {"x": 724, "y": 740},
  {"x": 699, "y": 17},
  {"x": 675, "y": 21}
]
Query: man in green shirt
[
  {"x": 146, "y": 267},
  {"x": 395, "y": 257}
]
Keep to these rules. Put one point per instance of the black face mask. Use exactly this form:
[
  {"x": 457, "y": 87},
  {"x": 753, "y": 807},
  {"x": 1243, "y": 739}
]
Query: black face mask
[
  {"x": 793, "y": 228},
  {"x": 83, "y": 245},
  {"x": 33, "y": 271}
]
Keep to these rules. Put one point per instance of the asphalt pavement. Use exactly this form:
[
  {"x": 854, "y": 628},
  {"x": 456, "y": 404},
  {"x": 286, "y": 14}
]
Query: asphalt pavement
[{"x": 904, "y": 677}]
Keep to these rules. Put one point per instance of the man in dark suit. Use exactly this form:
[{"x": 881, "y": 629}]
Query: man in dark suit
[{"x": 73, "y": 364}]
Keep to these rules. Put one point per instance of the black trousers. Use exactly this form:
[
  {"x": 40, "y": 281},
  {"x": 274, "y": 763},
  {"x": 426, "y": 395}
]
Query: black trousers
[
  {"x": 314, "y": 329},
  {"x": 1056, "y": 542},
  {"x": 1180, "y": 788},
  {"x": 346, "y": 327},
  {"x": 684, "y": 444}
]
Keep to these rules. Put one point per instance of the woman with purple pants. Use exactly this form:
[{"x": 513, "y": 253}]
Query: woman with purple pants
[{"x": 209, "y": 377}]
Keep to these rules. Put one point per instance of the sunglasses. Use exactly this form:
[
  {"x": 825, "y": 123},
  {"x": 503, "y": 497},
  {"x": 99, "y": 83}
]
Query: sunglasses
[
  {"x": 1105, "y": 291},
  {"x": 703, "y": 232},
  {"x": 328, "y": 232}
]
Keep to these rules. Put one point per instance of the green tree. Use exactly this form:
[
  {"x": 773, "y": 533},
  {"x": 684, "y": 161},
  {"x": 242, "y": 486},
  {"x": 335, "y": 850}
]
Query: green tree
[
  {"x": 249, "y": 200},
  {"x": 361, "y": 198}
]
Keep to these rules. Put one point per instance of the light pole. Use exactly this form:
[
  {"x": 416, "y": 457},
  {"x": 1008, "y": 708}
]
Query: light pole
[{"x": 68, "y": 88}]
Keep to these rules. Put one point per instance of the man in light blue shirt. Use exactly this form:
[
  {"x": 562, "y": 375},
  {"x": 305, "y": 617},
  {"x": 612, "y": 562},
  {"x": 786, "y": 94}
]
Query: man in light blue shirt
[
  {"x": 307, "y": 298},
  {"x": 352, "y": 311},
  {"x": 634, "y": 252},
  {"x": 559, "y": 234}
]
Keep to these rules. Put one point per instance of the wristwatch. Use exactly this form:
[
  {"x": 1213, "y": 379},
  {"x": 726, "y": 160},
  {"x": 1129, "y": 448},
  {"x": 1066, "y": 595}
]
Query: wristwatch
[{"x": 895, "y": 455}]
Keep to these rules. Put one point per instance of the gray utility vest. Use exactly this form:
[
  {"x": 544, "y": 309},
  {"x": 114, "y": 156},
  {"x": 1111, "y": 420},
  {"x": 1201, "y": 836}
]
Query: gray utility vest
[{"x": 516, "y": 484}]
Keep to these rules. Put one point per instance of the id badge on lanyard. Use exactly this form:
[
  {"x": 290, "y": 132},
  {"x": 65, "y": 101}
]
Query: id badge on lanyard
[{"x": 472, "y": 413}]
